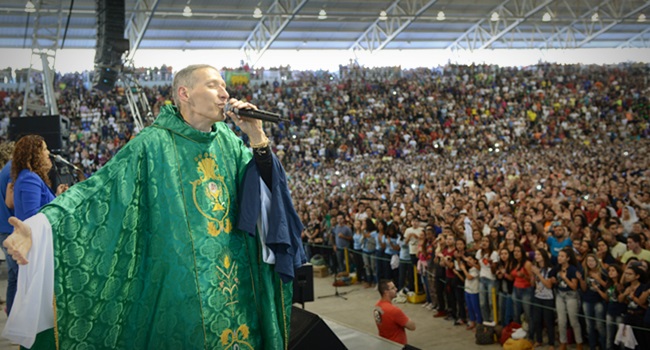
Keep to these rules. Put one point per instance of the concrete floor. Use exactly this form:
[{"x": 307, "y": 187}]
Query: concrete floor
[{"x": 356, "y": 313}]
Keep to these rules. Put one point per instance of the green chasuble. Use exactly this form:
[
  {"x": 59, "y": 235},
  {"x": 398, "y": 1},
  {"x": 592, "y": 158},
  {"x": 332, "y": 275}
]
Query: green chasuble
[{"x": 147, "y": 255}]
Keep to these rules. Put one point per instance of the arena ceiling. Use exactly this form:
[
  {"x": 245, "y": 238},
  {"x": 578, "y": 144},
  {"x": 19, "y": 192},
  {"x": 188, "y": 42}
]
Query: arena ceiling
[{"x": 339, "y": 25}]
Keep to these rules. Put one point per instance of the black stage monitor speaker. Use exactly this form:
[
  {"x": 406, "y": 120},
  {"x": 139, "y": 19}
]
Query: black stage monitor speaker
[
  {"x": 55, "y": 130},
  {"x": 303, "y": 284},
  {"x": 308, "y": 331}
]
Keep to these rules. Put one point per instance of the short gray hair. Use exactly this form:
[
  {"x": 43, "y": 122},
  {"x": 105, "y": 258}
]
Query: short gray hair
[{"x": 184, "y": 78}]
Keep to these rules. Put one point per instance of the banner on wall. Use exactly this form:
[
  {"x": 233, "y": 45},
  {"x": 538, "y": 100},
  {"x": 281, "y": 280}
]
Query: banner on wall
[{"x": 237, "y": 77}]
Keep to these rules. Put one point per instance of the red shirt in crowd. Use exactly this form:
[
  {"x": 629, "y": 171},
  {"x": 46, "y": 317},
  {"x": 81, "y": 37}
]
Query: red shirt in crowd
[{"x": 390, "y": 321}]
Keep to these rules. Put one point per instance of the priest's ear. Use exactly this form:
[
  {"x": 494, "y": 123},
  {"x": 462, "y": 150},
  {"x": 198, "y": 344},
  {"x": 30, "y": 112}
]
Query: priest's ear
[{"x": 183, "y": 93}]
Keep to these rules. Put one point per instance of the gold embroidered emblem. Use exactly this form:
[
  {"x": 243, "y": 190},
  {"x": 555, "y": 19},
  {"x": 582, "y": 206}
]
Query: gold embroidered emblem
[
  {"x": 229, "y": 281},
  {"x": 229, "y": 286},
  {"x": 211, "y": 196},
  {"x": 230, "y": 338}
]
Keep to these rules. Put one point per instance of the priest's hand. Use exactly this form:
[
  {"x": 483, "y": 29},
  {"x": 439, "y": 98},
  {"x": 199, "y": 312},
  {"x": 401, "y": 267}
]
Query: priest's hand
[
  {"x": 19, "y": 242},
  {"x": 251, "y": 127}
]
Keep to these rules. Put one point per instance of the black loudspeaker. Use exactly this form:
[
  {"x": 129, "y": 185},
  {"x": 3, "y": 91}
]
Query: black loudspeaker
[
  {"x": 111, "y": 43},
  {"x": 303, "y": 284},
  {"x": 55, "y": 129},
  {"x": 308, "y": 331},
  {"x": 105, "y": 77}
]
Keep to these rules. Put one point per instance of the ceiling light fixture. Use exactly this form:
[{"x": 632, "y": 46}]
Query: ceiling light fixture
[
  {"x": 29, "y": 7},
  {"x": 546, "y": 17},
  {"x": 641, "y": 18},
  {"x": 494, "y": 17},
  {"x": 187, "y": 11},
  {"x": 595, "y": 17},
  {"x": 322, "y": 14},
  {"x": 383, "y": 15},
  {"x": 441, "y": 16},
  {"x": 257, "y": 13}
]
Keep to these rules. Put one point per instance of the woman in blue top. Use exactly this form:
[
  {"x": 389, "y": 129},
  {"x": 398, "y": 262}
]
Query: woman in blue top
[
  {"x": 391, "y": 247},
  {"x": 369, "y": 247},
  {"x": 405, "y": 279},
  {"x": 31, "y": 163},
  {"x": 383, "y": 268},
  {"x": 358, "y": 241}
]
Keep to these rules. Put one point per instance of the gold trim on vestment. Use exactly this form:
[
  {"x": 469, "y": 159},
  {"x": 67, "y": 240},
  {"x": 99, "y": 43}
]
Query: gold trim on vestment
[{"x": 189, "y": 231}]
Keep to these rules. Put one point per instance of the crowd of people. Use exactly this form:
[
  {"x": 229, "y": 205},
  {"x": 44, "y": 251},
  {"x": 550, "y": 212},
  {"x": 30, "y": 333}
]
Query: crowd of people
[{"x": 531, "y": 183}]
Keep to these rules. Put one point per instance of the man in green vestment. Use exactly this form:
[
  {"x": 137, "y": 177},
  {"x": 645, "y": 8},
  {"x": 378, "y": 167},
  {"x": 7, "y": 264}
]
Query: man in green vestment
[{"x": 145, "y": 253}]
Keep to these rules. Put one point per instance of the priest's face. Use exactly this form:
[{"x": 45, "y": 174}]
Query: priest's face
[{"x": 207, "y": 96}]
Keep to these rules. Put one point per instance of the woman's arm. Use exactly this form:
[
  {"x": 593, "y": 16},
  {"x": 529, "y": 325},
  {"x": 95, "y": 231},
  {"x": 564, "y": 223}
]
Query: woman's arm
[
  {"x": 602, "y": 293},
  {"x": 643, "y": 298},
  {"x": 572, "y": 283},
  {"x": 9, "y": 196},
  {"x": 547, "y": 282},
  {"x": 528, "y": 266},
  {"x": 582, "y": 282},
  {"x": 27, "y": 192}
]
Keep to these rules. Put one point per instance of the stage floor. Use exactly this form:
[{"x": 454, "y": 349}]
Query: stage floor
[
  {"x": 354, "y": 339},
  {"x": 355, "y": 315}
]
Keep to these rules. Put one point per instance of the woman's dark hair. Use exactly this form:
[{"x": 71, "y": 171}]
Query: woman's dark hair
[
  {"x": 383, "y": 224},
  {"x": 508, "y": 263},
  {"x": 609, "y": 251},
  {"x": 370, "y": 225},
  {"x": 571, "y": 255},
  {"x": 545, "y": 256},
  {"x": 599, "y": 221},
  {"x": 470, "y": 255},
  {"x": 490, "y": 248},
  {"x": 619, "y": 271},
  {"x": 583, "y": 221},
  {"x": 28, "y": 154},
  {"x": 533, "y": 228},
  {"x": 524, "y": 256},
  {"x": 639, "y": 271}
]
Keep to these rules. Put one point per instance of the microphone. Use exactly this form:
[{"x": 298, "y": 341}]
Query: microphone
[
  {"x": 255, "y": 114},
  {"x": 60, "y": 159}
]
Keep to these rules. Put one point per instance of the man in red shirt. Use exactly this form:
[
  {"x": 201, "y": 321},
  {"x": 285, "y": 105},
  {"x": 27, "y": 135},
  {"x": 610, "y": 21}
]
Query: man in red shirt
[{"x": 390, "y": 319}]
